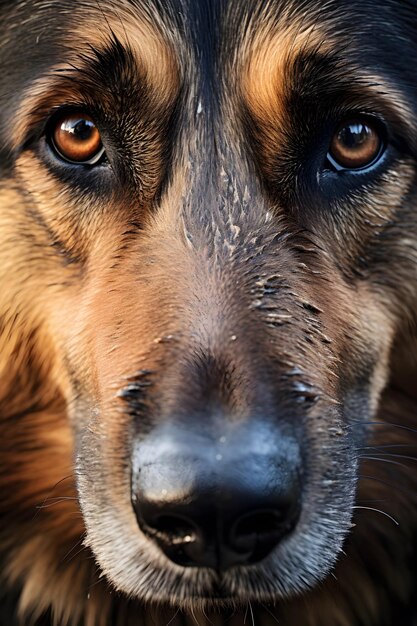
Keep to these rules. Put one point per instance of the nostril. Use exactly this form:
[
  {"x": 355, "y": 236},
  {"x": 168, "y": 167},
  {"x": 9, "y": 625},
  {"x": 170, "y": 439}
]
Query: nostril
[
  {"x": 258, "y": 532},
  {"x": 261, "y": 522},
  {"x": 249, "y": 528},
  {"x": 174, "y": 529},
  {"x": 178, "y": 537}
]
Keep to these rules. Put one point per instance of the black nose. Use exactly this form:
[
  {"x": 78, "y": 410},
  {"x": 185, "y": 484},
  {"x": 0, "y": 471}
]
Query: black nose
[{"x": 216, "y": 504}]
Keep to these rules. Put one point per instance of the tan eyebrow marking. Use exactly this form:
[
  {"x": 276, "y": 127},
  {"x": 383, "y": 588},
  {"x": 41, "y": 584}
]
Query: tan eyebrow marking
[
  {"x": 267, "y": 60},
  {"x": 269, "y": 56},
  {"x": 154, "y": 52},
  {"x": 154, "y": 44}
]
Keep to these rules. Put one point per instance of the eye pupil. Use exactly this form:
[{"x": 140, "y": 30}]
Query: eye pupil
[
  {"x": 354, "y": 135},
  {"x": 82, "y": 129}
]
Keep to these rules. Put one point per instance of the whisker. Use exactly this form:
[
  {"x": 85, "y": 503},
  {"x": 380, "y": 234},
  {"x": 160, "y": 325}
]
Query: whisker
[
  {"x": 389, "y": 445},
  {"x": 74, "y": 556},
  {"x": 407, "y": 492},
  {"x": 370, "y": 508},
  {"x": 251, "y": 612},
  {"x": 94, "y": 584},
  {"x": 274, "y": 617},
  {"x": 173, "y": 617},
  {"x": 397, "y": 456},
  {"x": 76, "y": 544},
  {"x": 53, "y": 501},
  {"x": 389, "y": 461},
  {"x": 194, "y": 616},
  {"x": 51, "y": 492},
  {"x": 206, "y": 616},
  {"x": 380, "y": 423}
]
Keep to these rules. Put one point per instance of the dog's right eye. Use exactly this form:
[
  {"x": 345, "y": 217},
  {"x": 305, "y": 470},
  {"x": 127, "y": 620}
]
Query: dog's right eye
[
  {"x": 356, "y": 145},
  {"x": 75, "y": 138}
]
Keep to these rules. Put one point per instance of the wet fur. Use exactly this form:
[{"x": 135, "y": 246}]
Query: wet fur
[{"x": 102, "y": 278}]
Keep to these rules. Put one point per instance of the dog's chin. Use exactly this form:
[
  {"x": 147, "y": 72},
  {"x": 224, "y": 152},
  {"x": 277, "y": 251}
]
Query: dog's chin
[
  {"x": 215, "y": 600},
  {"x": 298, "y": 564}
]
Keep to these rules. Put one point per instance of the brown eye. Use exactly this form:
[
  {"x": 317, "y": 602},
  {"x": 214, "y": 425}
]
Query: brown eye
[
  {"x": 356, "y": 145},
  {"x": 76, "y": 139}
]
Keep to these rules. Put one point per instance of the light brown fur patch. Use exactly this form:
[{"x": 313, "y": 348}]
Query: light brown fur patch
[{"x": 267, "y": 62}]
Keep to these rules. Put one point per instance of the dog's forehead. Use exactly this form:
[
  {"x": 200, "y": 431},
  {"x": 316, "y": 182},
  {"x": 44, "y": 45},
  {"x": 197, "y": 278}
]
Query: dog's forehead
[
  {"x": 257, "y": 37},
  {"x": 200, "y": 31}
]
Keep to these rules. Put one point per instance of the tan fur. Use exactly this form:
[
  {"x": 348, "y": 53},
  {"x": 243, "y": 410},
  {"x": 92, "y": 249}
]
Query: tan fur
[
  {"x": 267, "y": 63},
  {"x": 267, "y": 59}
]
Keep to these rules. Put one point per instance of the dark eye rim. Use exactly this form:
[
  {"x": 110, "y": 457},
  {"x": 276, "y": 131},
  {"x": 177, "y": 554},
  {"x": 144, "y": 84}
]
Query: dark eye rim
[
  {"x": 98, "y": 159},
  {"x": 371, "y": 120}
]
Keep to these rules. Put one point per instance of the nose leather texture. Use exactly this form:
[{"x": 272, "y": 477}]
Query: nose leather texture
[{"x": 216, "y": 502}]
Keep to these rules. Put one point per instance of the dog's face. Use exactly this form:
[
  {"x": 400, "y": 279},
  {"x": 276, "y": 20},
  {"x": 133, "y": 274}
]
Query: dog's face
[{"x": 210, "y": 210}]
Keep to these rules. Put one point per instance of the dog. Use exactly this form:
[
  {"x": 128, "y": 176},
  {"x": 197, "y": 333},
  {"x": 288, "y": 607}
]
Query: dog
[{"x": 208, "y": 260}]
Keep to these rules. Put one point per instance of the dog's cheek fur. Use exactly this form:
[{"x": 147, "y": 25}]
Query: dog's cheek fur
[{"x": 36, "y": 446}]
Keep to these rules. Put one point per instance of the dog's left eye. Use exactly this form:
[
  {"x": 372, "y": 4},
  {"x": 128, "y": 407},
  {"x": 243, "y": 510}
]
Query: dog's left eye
[
  {"x": 356, "y": 145},
  {"x": 75, "y": 138}
]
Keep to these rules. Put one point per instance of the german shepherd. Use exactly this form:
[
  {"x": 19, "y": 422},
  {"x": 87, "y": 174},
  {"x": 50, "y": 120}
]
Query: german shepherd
[{"x": 208, "y": 270}]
